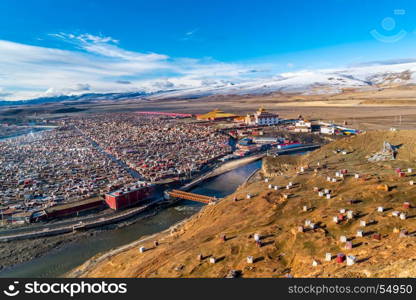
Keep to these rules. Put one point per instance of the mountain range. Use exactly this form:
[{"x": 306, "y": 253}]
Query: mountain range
[{"x": 325, "y": 81}]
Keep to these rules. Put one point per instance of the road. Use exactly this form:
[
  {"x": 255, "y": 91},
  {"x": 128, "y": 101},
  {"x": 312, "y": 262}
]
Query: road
[
  {"x": 37, "y": 227},
  {"x": 132, "y": 172},
  {"x": 65, "y": 227}
]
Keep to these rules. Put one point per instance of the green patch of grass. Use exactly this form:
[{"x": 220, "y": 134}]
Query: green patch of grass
[{"x": 309, "y": 247}]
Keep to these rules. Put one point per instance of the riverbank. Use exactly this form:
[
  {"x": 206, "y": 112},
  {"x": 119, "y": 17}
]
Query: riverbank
[
  {"x": 27, "y": 258},
  {"x": 165, "y": 237},
  {"x": 73, "y": 251},
  {"x": 91, "y": 222},
  {"x": 19, "y": 252},
  {"x": 45, "y": 256},
  {"x": 223, "y": 168},
  {"x": 92, "y": 263},
  {"x": 161, "y": 237},
  {"x": 166, "y": 255},
  {"x": 79, "y": 225},
  {"x": 296, "y": 226},
  {"x": 100, "y": 258}
]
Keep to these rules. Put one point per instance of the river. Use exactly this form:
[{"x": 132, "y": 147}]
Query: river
[{"x": 58, "y": 262}]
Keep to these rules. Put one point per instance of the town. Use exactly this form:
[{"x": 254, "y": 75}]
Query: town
[{"x": 86, "y": 159}]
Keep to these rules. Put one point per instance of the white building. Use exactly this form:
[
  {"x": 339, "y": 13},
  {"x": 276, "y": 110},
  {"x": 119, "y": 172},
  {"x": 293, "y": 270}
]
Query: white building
[
  {"x": 262, "y": 117},
  {"x": 265, "y": 140},
  {"x": 327, "y": 130},
  {"x": 303, "y": 126}
]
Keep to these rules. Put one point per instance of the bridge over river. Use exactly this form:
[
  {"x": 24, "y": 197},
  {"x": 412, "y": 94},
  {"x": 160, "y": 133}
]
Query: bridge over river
[{"x": 191, "y": 196}]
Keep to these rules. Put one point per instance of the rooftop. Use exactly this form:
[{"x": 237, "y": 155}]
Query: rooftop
[{"x": 216, "y": 114}]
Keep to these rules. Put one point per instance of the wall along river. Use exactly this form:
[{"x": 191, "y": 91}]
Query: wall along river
[{"x": 57, "y": 262}]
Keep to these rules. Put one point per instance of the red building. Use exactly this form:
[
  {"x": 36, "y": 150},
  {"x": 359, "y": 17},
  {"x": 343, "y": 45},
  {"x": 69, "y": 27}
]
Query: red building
[
  {"x": 129, "y": 196},
  {"x": 72, "y": 208}
]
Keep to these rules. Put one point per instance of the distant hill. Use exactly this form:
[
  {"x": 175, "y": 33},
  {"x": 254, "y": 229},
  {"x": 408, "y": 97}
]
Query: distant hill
[
  {"x": 370, "y": 77},
  {"x": 83, "y": 97}
]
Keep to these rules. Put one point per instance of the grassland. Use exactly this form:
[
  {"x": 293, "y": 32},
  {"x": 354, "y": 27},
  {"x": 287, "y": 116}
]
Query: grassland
[{"x": 378, "y": 108}]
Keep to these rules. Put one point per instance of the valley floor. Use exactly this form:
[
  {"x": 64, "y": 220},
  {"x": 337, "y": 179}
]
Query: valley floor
[{"x": 363, "y": 110}]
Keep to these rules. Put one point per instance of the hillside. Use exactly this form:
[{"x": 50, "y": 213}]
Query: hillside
[{"x": 283, "y": 249}]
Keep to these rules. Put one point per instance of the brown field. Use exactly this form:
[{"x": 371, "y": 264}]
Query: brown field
[{"x": 380, "y": 108}]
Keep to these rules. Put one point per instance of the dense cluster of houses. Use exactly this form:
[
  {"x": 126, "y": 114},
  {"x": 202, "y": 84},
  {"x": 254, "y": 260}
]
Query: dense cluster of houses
[
  {"x": 82, "y": 158},
  {"x": 158, "y": 147},
  {"x": 51, "y": 167}
]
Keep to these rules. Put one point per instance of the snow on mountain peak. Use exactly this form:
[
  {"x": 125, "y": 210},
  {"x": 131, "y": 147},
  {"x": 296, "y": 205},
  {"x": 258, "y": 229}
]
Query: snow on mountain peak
[
  {"x": 321, "y": 81},
  {"x": 307, "y": 81}
]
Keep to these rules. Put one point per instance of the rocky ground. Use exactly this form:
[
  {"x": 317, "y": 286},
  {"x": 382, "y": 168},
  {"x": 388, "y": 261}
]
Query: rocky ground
[
  {"x": 16, "y": 252},
  {"x": 381, "y": 252}
]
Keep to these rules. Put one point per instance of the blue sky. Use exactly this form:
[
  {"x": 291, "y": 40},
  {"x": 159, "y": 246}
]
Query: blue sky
[{"x": 59, "y": 47}]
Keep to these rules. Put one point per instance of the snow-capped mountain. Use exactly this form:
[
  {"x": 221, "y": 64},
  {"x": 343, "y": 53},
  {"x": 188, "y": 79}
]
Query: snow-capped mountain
[
  {"x": 82, "y": 97},
  {"x": 325, "y": 81},
  {"x": 310, "y": 81}
]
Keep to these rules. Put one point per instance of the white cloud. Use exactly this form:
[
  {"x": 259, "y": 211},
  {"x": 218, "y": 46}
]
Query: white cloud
[
  {"x": 3, "y": 94},
  {"x": 51, "y": 92},
  {"x": 83, "y": 87},
  {"x": 106, "y": 46},
  {"x": 85, "y": 37},
  {"x": 99, "y": 64},
  {"x": 190, "y": 34}
]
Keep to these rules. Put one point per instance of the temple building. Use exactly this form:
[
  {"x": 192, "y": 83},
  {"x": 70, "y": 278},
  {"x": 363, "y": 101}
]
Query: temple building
[
  {"x": 216, "y": 114},
  {"x": 262, "y": 117}
]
